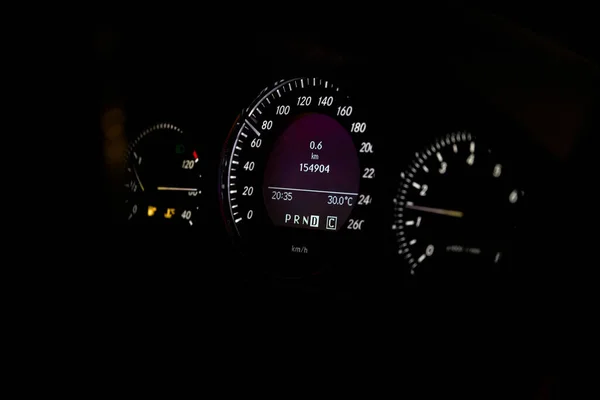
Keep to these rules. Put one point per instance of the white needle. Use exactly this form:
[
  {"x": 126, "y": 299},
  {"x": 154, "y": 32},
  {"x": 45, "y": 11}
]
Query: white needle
[
  {"x": 253, "y": 128},
  {"x": 441, "y": 211},
  {"x": 177, "y": 189}
]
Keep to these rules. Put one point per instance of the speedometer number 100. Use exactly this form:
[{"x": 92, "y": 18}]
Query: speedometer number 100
[{"x": 299, "y": 160}]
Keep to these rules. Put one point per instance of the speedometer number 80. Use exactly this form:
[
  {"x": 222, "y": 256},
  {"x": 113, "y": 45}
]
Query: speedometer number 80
[{"x": 298, "y": 163}]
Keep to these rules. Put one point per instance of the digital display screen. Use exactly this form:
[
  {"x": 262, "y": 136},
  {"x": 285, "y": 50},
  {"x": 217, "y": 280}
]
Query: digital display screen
[{"x": 312, "y": 176}]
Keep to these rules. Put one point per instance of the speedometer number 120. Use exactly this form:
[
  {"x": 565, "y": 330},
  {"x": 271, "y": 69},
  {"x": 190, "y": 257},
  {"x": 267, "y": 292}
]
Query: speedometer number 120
[{"x": 301, "y": 161}]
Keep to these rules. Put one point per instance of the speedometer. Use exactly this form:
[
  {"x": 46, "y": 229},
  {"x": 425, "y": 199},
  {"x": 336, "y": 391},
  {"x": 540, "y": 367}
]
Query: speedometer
[{"x": 298, "y": 172}]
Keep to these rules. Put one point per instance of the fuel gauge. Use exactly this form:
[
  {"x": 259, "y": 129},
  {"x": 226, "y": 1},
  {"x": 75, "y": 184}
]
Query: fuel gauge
[{"x": 164, "y": 177}]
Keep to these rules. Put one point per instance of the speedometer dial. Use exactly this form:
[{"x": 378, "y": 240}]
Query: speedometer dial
[
  {"x": 456, "y": 209},
  {"x": 298, "y": 172}
]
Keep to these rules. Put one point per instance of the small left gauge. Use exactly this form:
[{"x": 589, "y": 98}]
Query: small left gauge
[{"x": 163, "y": 178}]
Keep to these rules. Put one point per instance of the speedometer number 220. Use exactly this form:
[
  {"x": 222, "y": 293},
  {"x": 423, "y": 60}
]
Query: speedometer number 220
[{"x": 301, "y": 158}]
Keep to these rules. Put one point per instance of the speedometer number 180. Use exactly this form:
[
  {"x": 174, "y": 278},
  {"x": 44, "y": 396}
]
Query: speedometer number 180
[{"x": 299, "y": 165}]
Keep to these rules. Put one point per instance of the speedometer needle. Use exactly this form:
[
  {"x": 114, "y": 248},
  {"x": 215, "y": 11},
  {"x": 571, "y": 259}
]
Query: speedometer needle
[
  {"x": 440, "y": 211},
  {"x": 177, "y": 189}
]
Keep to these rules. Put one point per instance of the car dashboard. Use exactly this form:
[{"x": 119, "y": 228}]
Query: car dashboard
[{"x": 404, "y": 170}]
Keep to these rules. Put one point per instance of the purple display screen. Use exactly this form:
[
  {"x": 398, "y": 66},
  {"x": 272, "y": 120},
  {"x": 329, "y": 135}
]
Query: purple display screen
[{"x": 312, "y": 176}]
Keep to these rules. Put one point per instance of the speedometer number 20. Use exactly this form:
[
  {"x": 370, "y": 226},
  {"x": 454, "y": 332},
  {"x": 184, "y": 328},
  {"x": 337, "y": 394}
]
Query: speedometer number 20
[{"x": 301, "y": 157}]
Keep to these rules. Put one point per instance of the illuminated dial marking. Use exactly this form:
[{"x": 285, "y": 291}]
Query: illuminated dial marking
[
  {"x": 299, "y": 160},
  {"x": 163, "y": 172},
  {"x": 461, "y": 215}
]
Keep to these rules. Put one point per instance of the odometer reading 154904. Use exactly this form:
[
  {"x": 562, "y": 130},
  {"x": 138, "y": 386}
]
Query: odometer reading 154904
[{"x": 299, "y": 169}]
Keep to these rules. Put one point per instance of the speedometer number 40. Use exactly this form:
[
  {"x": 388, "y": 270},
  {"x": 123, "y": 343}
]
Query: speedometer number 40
[{"x": 301, "y": 157}]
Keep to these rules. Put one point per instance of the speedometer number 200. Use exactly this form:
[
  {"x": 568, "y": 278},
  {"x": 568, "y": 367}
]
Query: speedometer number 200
[{"x": 302, "y": 158}]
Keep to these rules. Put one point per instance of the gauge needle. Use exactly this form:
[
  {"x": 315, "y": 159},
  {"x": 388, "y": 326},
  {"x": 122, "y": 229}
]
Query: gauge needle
[
  {"x": 138, "y": 177},
  {"x": 449, "y": 213},
  {"x": 177, "y": 189},
  {"x": 253, "y": 128}
]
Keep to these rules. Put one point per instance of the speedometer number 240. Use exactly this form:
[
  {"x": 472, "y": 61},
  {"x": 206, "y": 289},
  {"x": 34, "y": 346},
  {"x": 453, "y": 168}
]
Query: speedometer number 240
[{"x": 301, "y": 160}]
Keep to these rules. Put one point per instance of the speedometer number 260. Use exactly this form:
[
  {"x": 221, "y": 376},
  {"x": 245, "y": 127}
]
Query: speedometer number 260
[{"x": 301, "y": 159}]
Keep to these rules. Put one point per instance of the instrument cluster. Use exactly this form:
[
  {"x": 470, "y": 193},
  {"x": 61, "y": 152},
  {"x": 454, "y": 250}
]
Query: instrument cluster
[
  {"x": 315, "y": 170},
  {"x": 308, "y": 180}
]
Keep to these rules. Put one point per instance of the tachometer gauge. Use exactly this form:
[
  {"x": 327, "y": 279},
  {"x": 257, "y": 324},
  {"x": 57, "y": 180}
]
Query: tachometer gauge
[
  {"x": 298, "y": 171},
  {"x": 456, "y": 209},
  {"x": 163, "y": 177}
]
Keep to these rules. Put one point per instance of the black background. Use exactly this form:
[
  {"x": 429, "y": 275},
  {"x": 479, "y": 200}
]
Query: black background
[{"x": 422, "y": 78}]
